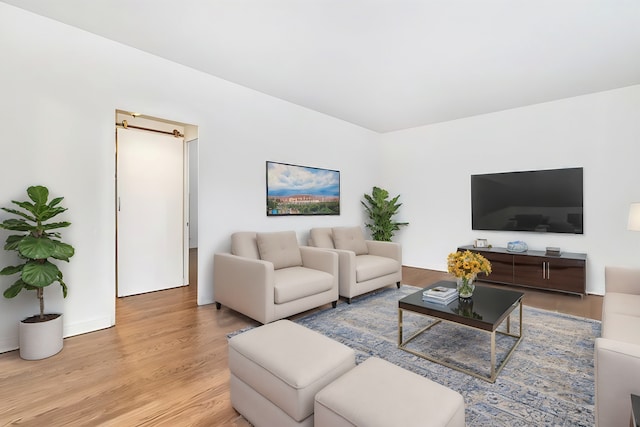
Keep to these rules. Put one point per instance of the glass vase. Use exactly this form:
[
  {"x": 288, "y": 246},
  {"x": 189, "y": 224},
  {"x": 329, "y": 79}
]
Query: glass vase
[{"x": 465, "y": 286}]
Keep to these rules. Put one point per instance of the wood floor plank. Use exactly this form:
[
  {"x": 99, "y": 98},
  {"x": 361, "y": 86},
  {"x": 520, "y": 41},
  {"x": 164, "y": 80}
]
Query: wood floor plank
[{"x": 164, "y": 364}]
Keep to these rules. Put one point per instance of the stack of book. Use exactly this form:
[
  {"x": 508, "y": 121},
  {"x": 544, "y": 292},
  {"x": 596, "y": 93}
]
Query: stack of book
[{"x": 440, "y": 295}]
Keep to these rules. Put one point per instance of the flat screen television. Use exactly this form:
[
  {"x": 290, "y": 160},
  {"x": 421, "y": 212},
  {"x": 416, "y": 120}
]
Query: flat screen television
[{"x": 540, "y": 201}]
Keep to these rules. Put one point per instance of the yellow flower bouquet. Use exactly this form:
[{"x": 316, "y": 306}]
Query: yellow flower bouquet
[{"x": 465, "y": 266}]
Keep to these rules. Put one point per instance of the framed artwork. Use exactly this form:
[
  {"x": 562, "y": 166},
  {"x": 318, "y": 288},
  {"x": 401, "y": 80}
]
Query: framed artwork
[{"x": 302, "y": 190}]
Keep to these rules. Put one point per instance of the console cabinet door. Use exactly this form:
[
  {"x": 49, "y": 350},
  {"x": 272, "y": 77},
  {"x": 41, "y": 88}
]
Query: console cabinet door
[
  {"x": 559, "y": 274},
  {"x": 501, "y": 268},
  {"x": 567, "y": 275},
  {"x": 530, "y": 271}
]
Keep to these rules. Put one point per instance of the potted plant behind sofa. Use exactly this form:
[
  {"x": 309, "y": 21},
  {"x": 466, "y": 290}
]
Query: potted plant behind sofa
[
  {"x": 381, "y": 211},
  {"x": 37, "y": 245}
]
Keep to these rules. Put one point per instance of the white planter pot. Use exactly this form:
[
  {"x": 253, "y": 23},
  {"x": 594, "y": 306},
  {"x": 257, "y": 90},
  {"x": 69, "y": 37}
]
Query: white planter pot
[{"x": 40, "y": 340}]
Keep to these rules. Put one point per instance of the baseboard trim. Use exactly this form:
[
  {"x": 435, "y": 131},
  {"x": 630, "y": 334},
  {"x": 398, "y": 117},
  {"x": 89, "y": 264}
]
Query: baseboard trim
[{"x": 93, "y": 325}]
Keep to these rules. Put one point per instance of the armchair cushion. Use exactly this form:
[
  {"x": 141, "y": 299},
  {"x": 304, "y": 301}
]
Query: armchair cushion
[
  {"x": 298, "y": 282},
  {"x": 321, "y": 237},
  {"x": 280, "y": 248},
  {"x": 350, "y": 239},
  {"x": 373, "y": 266},
  {"x": 243, "y": 243}
]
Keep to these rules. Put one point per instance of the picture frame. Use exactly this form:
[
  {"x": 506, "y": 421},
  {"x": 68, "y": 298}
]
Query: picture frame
[
  {"x": 480, "y": 243},
  {"x": 301, "y": 190}
]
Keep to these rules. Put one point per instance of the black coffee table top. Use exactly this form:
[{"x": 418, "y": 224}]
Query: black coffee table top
[{"x": 485, "y": 310}]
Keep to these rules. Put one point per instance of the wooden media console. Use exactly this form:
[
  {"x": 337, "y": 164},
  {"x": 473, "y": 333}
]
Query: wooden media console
[{"x": 563, "y": 273}]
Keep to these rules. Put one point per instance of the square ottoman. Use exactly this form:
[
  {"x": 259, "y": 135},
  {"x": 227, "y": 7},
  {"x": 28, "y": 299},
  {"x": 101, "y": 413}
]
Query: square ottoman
[
  {"x": 277, "y": 369},
  {"x": 377, "y": 393}
]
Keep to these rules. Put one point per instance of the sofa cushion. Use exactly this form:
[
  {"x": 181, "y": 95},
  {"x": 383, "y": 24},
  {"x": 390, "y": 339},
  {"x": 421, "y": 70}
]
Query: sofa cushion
[
  {"x": 322, "y": 237},
  {"x": 294, "y": 283},
  {"x": 620, "y": 303},
  {"x": 621, "y": 327},
  {"x": 243, "y": 243},
  {"x": 280, "y": 248},
  {"x": 350, "y": 239},
  {"x": 373, "y": 266}
]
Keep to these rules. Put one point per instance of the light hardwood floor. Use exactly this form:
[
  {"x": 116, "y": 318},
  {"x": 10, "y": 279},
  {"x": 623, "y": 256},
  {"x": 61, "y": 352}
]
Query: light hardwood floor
[{"x": 163, "y": 364}]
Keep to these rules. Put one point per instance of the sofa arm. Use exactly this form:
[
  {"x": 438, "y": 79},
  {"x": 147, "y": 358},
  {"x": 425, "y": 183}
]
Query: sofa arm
[
  {"x": 320, "y": 259},
  {"x": 622, "y": 280},
  {"x": 244, "y": 284},
  {"x": 617, "y": 376},
  {"x": 385, "y": 249}
]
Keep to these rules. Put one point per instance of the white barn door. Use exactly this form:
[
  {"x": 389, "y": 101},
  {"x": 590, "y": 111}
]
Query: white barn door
[{"x": 150, "y": 212}]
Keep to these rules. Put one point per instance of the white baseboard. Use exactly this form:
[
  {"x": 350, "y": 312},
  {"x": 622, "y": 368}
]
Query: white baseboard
[
  {"x": 7, "y": 344},
  {"x": 92, "y": 325}
]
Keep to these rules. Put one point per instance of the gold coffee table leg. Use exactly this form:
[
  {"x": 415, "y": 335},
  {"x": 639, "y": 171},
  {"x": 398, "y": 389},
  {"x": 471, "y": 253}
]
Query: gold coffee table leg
[
  {"x": 399, "y": 327},
  {"x": 493, "y": 357}
]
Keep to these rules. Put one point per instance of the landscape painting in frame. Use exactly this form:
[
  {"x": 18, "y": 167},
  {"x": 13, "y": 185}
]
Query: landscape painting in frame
[{"x": 302, "y": 190}]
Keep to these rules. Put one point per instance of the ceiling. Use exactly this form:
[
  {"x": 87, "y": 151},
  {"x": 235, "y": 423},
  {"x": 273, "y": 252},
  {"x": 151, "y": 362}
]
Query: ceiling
[{"x": 383, "y": 64}]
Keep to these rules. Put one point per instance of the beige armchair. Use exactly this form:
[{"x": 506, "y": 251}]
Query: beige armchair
[
  {"x": 617, "y": 351},
  {"x": 267, "y": 276},
  {"x": 365, "y": 265}
]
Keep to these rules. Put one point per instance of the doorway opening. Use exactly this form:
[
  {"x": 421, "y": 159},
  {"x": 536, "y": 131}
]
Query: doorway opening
[{"x": 156, "y": 207}]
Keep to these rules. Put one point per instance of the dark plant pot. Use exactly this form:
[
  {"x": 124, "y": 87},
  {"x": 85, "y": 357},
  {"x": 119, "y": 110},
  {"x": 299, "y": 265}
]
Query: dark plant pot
[{"x": 41, "y": 339}]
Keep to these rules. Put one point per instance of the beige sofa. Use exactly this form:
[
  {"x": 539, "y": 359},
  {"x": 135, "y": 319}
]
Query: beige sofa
[
  {"x": 268, "y": 276},
  {"x": 365, "y": 265},
  {"x": 617, "y": 351}
]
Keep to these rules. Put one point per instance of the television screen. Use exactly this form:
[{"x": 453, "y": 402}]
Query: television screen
[{"x": 541, "y": 201}]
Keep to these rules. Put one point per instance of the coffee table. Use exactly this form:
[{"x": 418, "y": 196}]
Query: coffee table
[{"x": 491, "y": 307}]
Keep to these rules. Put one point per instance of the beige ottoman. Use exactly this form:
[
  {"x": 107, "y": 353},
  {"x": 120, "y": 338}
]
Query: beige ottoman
[
  {"x": 277, "y": 369},
  {"x": 379, "y": 393}
]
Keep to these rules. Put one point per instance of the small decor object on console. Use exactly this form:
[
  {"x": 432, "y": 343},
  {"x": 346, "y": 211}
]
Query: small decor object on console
[
  {"x": 480, "y": 243},
  {"x": 552, "y": 251},
  {"x": 517, "y": 246},
  {"x": 465, "y": 266}
]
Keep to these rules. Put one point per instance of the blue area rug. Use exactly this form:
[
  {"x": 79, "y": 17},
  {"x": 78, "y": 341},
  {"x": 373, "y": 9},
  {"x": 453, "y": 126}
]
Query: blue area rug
[{"x": 549, "y": 380}]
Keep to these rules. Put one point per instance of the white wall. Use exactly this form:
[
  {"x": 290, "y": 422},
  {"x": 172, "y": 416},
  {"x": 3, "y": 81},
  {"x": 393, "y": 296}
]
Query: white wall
[
  {"x": 599, "y": 132},
  {"x": 60, "y": 88}
]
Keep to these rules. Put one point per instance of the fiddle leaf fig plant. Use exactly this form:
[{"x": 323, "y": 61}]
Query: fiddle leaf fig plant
[
  {"x": 37, "y": 244},
  {"x": 381, "y": 211}
]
